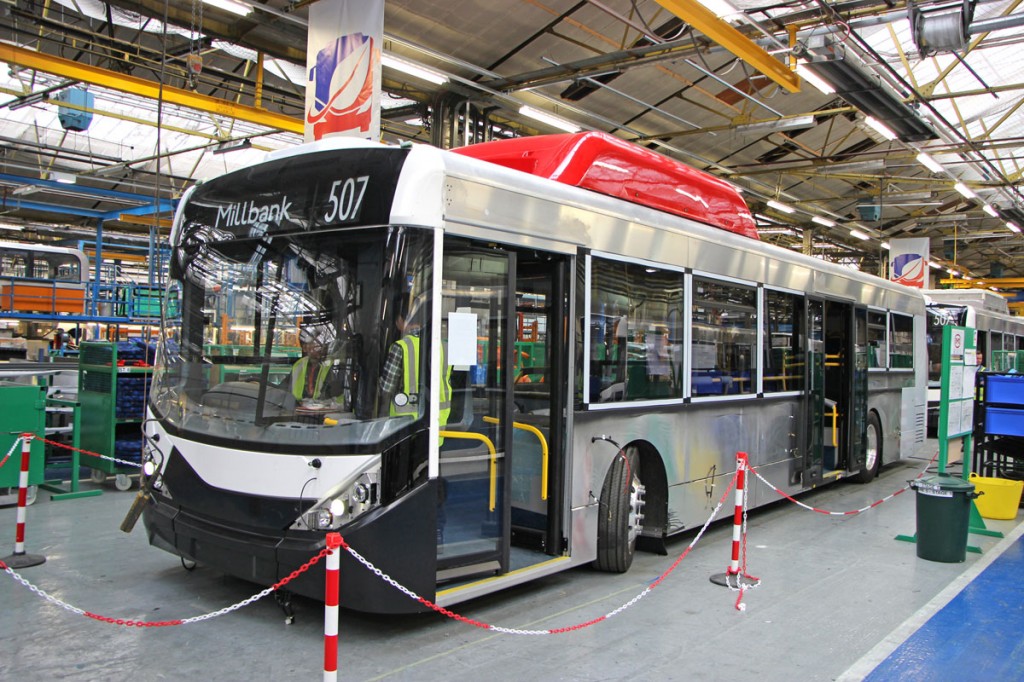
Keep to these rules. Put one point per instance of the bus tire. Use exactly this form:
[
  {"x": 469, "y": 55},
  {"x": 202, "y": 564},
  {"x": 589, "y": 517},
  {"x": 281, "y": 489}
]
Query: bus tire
[
  {"x": 873, "y": 450},
  {"x": 620, "y": 513}
]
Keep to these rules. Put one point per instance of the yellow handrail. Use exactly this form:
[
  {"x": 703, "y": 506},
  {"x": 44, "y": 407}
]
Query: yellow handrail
[
  {"x": 835, "y": 417},
  {"x": 466, "y": 435},
  {"x": 543, "y": 451}
]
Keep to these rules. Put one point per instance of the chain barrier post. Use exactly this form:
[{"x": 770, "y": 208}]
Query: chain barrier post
[
  {"x": 331, "y": 594},
  {"x": 20, "y": 559},
  {"x": 734, "y": 577}
]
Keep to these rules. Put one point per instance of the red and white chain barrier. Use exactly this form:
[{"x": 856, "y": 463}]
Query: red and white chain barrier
[
  {"x": 332, "y": 589},
  {"x": 554, "y": 631},
  {"x": 20, "y": 559},
  {"x": 851, "y": 512},
  {"x": 65, "y": 446},
  {"x": 165, "y": 623}
]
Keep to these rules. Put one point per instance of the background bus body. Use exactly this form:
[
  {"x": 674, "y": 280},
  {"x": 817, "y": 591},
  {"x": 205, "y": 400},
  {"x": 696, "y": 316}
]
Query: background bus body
[
  {"x": 36, "y": 278},
  {"x": 1000, "y": 335},
  {"x": 733, "y": 345}
]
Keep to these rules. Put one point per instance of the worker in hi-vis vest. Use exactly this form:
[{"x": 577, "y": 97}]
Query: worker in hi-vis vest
[
  {"x": 315, "y": 375},
  {"x": 400, "y": 381}
]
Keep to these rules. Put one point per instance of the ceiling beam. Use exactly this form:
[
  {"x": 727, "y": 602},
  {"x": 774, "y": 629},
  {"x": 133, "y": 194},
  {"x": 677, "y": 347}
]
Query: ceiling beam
[{"x": 66, "y": 68}]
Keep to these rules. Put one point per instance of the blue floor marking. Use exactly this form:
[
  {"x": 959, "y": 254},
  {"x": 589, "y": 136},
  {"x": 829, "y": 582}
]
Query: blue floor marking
[{"x": 978, "y": 635}]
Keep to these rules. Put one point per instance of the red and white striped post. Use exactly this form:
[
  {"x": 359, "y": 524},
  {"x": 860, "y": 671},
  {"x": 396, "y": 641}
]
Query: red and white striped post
[
  {"x": 734, "y": 576},
  {"x": 331, "y": 593},
  {"x": 20, "y": 559}
]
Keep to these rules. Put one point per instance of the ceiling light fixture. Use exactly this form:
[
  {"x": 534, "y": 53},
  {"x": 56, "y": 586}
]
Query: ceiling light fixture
[
  {"x": 863, "y": 90},
  {"x": 63, "y": 178},
  {"x": 550, "y": 119},
  {"x": 11, "y": 226},
  {"x": 791, "y": 123},
  {"x": 991, "y": 211},
  {"x": 239, "y": 8},
  {"x": 812, "y": 78},
  {"x": 823, "y": 221},
  {"x": 886, "y": 246},
  {"x": 408, "y": 68},
  {"x": 1012, "y": 227},
  {"x": 779, "y": 206},
  {"x": 880, "y": 128},
  {"x": 860, "y": 235},
  {"x": 926, "y": 160},
  {"x": 720, "y": 8},
  {"x": 965, "y": 190}
]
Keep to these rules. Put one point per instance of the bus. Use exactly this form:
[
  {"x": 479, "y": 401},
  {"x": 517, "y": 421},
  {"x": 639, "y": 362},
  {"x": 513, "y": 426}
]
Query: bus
[
  {"x": 42, "y": 279},
  {"x": 1000, "y": 336},
  {"x": 659, "y": 339}
]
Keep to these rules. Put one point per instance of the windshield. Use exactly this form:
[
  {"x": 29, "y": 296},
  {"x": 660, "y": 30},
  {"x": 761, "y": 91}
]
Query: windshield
[{"x": 284, "y": 339}]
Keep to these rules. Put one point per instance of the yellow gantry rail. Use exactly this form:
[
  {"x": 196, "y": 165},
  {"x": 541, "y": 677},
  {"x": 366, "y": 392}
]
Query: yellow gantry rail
[
  {"x": 705, "y": 21},
  {"x": 145, "y": 88}
]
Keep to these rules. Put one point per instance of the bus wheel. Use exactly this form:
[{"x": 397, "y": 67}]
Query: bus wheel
[
  {"x": 621, "y": 513},
  {"x": 873, "y": 451}
]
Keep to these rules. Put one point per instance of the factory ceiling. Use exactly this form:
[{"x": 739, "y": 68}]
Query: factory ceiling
[{"x": 181, "y": 91}]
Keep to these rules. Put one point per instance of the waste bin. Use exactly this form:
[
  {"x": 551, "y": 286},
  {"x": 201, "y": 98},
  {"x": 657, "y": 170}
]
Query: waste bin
[{"x": 943, "y": 516}]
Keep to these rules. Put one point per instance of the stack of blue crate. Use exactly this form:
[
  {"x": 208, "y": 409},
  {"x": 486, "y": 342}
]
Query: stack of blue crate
[
  {"x": 128, "y": 447},
  {"x": 131, "y": 396}
]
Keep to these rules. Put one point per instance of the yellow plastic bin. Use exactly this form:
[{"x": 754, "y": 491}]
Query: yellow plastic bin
[{"x": 1001, "y": 497}]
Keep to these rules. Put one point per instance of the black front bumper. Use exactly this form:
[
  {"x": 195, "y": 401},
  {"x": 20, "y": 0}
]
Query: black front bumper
[{"x": 399, "y": 539}]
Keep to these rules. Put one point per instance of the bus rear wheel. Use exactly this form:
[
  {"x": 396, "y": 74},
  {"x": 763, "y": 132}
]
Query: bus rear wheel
[
  {"x": 620, "y": 513},
  {"x": 873, "y": 450}
]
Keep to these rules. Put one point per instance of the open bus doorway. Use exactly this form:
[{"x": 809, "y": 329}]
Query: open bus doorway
[
  {"x": 836, "y": 397},
  {"x": 500, "y": 510}
]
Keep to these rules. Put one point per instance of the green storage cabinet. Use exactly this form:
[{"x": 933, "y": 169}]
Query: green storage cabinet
[
  {"x": 112, "y": 397},
  {"x": 22, "y": 409}
]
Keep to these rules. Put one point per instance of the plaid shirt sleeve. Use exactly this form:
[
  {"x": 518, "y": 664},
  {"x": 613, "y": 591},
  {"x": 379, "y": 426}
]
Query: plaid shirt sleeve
[{"x": 391, "y": 379}]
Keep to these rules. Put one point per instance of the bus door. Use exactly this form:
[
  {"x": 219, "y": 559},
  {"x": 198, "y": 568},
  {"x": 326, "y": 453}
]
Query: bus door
[
  {"x": 813, "y": 413},
  {"x": 839, "y": 384},
  {"x": 500, "y": 465},
  {"x": 859, "y": 391}
]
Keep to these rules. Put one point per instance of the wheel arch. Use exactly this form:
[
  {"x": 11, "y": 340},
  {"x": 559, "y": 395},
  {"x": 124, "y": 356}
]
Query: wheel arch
[{"x": 655, "y": 480}]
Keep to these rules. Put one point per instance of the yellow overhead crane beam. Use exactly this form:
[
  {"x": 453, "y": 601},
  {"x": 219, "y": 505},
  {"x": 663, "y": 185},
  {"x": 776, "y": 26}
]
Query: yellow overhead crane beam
[
  {"x": 984, "y": 282},
  {"x": 708, "y": 23},
  {"x": 144, "y": 88}
]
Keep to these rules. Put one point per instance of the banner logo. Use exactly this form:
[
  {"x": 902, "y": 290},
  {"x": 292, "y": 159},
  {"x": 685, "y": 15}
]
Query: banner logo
[
  {"x": 908, "y": 269},
  {"x": 342, "y": 84}
]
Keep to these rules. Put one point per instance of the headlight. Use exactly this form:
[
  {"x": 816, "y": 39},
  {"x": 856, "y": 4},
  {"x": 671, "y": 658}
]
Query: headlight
[{"x": 343, "y": 506}]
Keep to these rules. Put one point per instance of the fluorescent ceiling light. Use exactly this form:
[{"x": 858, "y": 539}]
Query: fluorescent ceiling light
[
  {"x": 239, "y": 8},
  {"x": 11, "y": 226},
  {"x": 964, "y": 190},
  {"x": 416, "y": 70},
  {"x": 550, "y": 119},
  {"x": 778, "y": 206},
  {"x": 1013, "y": 227},
  {"x": 880, "y": 127},
  {"x": 859, "y": 235},
  {"x": 991, "y": 211},
  {"x": 720, "y": 8},
  {"x": 935, "y": 266},
  {"x": 953, "y": 272},
  {"x": 63, "y": 178},
  {"x": 928, "y": 162},
  {"x": 819, "y": 84},
  {"x": 823, "y": 221},
  {"x": 886, "y": 246},
  {"x": 232, "y": 146}
]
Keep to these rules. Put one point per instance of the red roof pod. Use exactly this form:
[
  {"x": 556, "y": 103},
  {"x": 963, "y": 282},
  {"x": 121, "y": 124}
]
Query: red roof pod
[{"x": 612, "y": 166}]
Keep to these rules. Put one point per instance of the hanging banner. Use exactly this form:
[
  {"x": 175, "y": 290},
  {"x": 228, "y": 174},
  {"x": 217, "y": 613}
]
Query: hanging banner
[
  {"x": 343, "y": 67},
  {"x": 908, "y": 262}
]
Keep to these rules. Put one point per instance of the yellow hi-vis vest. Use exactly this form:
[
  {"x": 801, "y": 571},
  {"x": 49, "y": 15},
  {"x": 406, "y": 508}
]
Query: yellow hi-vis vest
[
  {"x": 299, "y": 372},
  {"x": 410, "y": 346}
]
